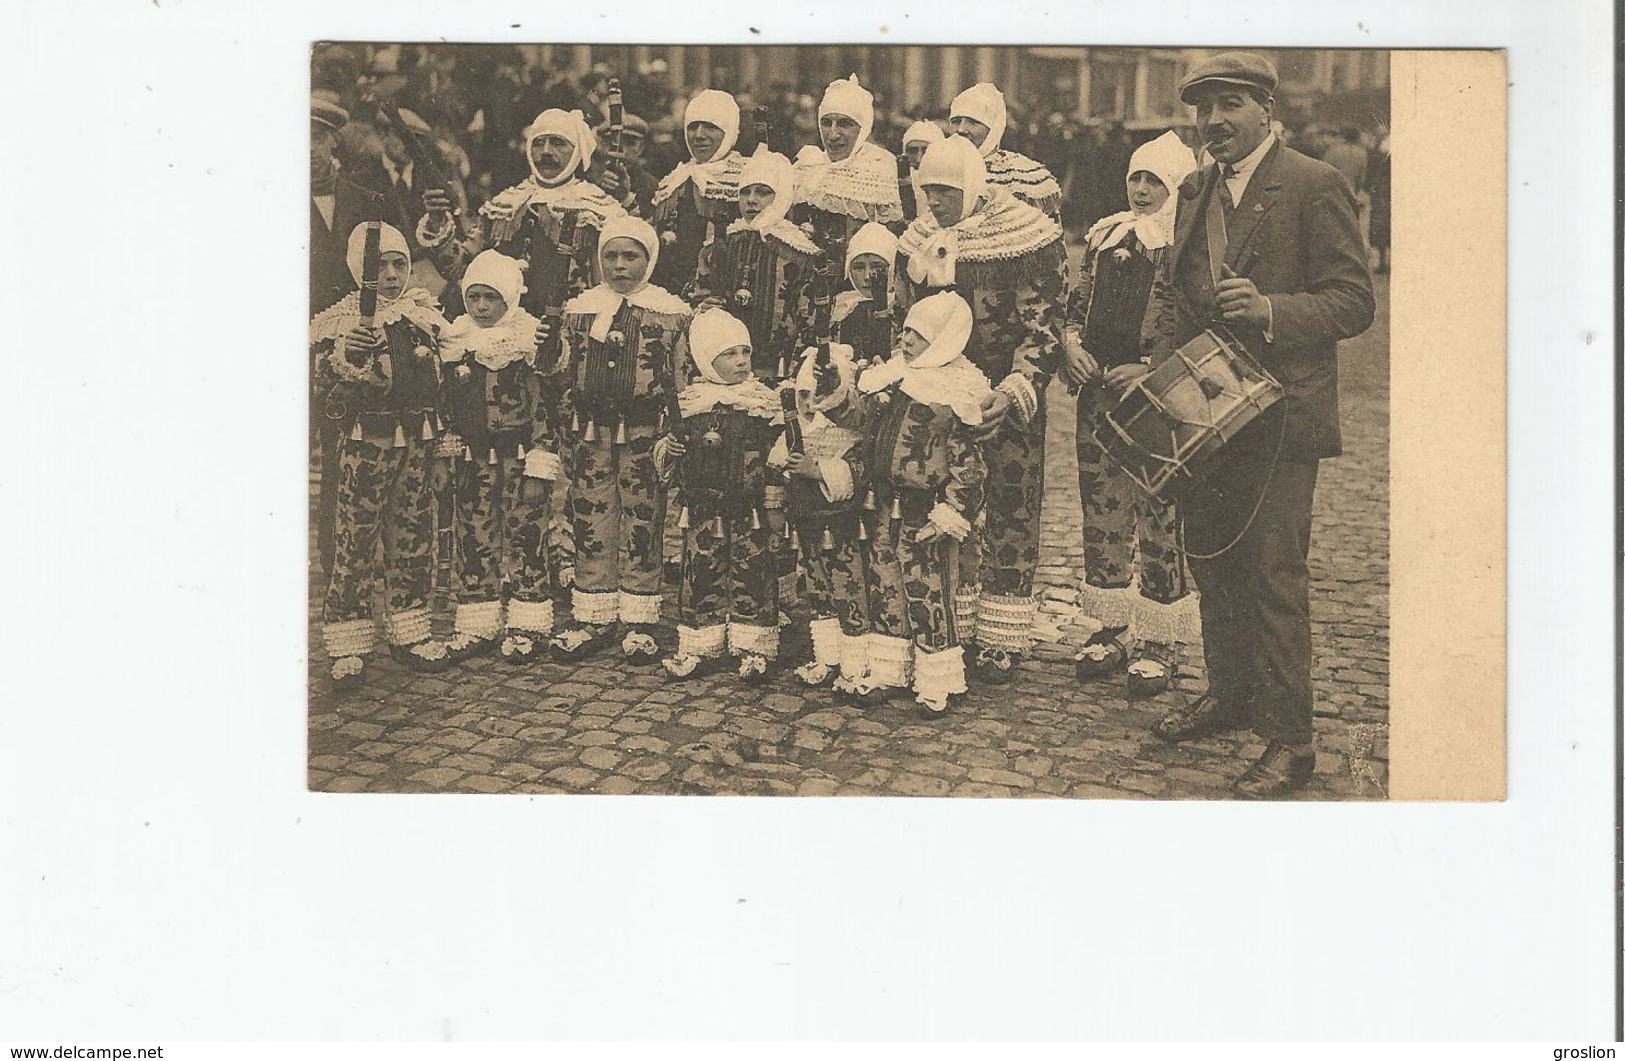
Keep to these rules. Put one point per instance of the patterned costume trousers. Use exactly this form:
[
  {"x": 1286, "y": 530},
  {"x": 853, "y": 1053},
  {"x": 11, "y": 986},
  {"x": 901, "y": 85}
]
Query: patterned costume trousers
[
  {"x": 729, "y": 590},
  {"x": 502, "y": 548},
  {"x": 617, "y": 511},
  {"x": 837, "y": 592},
  {"x": 1001, "y": 561},
  {"x": 383, "y": 532},
  {"x": 1122, "y": 523},
  {"x": 912, "y": 587}
]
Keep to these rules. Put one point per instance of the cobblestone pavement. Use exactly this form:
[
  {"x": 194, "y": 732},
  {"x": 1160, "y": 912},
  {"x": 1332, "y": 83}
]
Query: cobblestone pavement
[{"x": 599, "y": 727}]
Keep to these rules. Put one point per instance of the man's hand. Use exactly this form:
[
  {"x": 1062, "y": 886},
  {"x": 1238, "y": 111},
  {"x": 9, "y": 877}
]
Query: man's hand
[
  {"x": 1121, "y": 377},
  {"x": 1240, "y": 302},
  {"x": 1081, "y": 366},
  {"x": 437, "y": 201},
  {"x": 801, "y": 465},
  {"x": 674, "y": 448},
  {"x": 995, "y": 407}
]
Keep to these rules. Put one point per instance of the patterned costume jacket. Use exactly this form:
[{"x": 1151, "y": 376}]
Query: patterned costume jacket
[
  {"x": 765, "y": 281},
  {"x": 611, "y": 395},
  {"x": 525, "y": 222},
  {"x": 384, "y": 408},
  {"x": 688, "y": 219}
]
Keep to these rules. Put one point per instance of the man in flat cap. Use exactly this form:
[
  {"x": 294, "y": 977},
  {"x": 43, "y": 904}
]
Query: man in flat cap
[
  {"x": 337, "y": 206},
  {"x": 1268, "y": 246}
]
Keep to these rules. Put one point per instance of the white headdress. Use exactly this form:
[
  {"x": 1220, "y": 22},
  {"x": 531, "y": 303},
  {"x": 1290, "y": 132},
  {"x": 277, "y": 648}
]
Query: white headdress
[
  {"x": 571, "y": 126},
  {"x": 983, "y": 103}
]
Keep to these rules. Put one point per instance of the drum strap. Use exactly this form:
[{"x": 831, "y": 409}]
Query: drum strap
[{"x": 1258, "y": 504}]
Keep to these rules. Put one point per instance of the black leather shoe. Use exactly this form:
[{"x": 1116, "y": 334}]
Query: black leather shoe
[
  {"x": 1278, "y": 773},
  {"x": 1200, "y": 718}
]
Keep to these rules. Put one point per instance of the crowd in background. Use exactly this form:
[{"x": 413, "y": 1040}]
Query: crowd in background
[{"x": 477, "y": 100}]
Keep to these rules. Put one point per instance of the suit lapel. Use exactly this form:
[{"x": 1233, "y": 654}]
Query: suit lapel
[
  {"x": 1189, "y": 212},
  {"x": 1255, "y": 203}
]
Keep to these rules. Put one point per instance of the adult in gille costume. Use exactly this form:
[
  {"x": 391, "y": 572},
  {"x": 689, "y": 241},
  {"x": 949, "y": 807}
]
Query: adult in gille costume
[
  {"x": 848, "y": 181},
  {"x": 697, "y": 201},
  {"x": 1007, "y": 260}
]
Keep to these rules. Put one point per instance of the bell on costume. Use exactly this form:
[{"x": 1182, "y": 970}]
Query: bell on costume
[
  {"x": 575, "y": 421},
  {"x": 620, "y": 431},
  {"x": 427, "y": 434},
  {"x": 717, "y": 526},
  {"x": 755, "y": 520},
  {"x": 355, "y": 432},
  {"x": 491, "y": 458},
  {"x": 863, "y": 529},
  {"x": 828, "y": 543},
  {"x": 400, "y": 437},
  {"x": 591, "y": 434},
  {"x": 897, "y": 508},
  {"x": 682, "y": 518},
  {"x": 869, "y": 500}
]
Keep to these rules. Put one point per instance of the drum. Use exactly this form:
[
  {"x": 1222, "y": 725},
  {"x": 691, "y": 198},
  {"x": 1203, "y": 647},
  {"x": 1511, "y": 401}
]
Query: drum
[{"x": 1184, "y": 410}]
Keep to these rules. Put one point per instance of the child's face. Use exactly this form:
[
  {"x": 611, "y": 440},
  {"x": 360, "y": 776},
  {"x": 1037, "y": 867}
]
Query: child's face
[
  {"x": 866, "y": 269},
  {"x": 485, "y": 305},
  {"x": 947, "y": 204},
  {"x": 393, "y": 272},
  {"x": 753, "y": 199},
  {"x": 733, "y": 364},
  {"x": 1145, "y": 192},
  {"x": 624, "y": 262},
  {"x": 911, "y": 344},
  {"x": 915, "y": 150}
]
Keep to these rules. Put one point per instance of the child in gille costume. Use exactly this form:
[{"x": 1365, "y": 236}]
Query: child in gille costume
[
  {"x": 929, "y": 486},
  {"x": 621, "y": 343},
  {"x": 717, "y": 447},
  {"x": 1107, "y": 333},
  {"x": 505, "y": 468},
  {"x": 383, "y": 385},
  {"x": 863, "y": 317},
  {"x": 824, "y": 489}
]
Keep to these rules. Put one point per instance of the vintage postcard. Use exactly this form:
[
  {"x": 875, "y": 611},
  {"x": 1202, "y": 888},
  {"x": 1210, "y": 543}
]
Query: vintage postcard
[{"x": 904, "y": 421}]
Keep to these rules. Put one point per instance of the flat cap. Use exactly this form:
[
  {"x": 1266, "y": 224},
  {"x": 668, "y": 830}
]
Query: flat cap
[
  {"x": 325, "y": 110},
  {"x": 631, "y": 125},
  {"x": 1241, "y": 69}
]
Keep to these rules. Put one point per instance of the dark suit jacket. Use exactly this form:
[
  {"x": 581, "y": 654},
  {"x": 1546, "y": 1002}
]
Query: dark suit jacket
[
  {"x": 330, "y": 278},
  {"x": 1296, "y": 235}
]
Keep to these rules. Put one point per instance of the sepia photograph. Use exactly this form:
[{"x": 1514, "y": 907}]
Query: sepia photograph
[{"x": 883, "y": 420}]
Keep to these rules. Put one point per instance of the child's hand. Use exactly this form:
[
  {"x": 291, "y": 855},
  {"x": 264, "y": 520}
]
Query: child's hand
[
  {"x": 1081, "y": 366},
  {"x": 544, "y": 332},
  {"x": 927, "y": 533},
  {"x": 805, "y": 467},
  {"x": 1121, "y": 377},
  {"x": 674, "y": 448},
  {"x": 362, "y": 338}
]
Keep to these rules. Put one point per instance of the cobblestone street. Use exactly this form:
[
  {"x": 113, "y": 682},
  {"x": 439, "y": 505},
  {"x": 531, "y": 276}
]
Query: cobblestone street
[{"x": 599, "y": 727}]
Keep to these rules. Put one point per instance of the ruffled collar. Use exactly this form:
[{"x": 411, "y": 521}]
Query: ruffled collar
[
  {"x": 959, "y": 385},
  {"x": 603, "y": 302},
  {"x": 1003, "y": 228},
  {"x": 1154, "y": 231},
  {"x": 511, "y": 339},
  {"x": 415, "y": 304},
  {"x": 862, "y": 185},
  {"x": 716, "y": 179},
  {"x": 752, "y": 396},
  {"x": 782, "y": 230},
  {"x": 575, "y": 194}
]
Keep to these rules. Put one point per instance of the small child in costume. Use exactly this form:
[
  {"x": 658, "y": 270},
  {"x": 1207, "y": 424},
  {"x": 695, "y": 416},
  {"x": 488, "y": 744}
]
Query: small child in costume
[
  {"x": 498, "y": 421},
  {"x": 621, "y": 345},
  {"x": 824, "y": 489},
  {"x": 383, "y": 385},
  {"x": 929, "y": 486},
  {"x": 717, "y": 449},
  {"x": 1109, "y": 325},
  {"x": 863, "y": 318}
]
